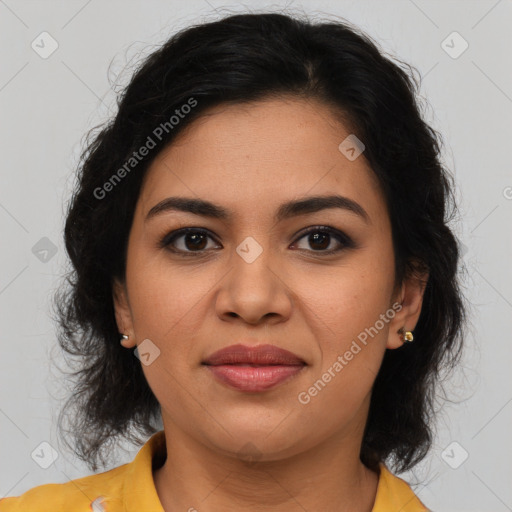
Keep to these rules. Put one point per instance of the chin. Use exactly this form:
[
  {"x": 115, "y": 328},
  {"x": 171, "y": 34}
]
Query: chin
[{"x": 262, "y": 444}]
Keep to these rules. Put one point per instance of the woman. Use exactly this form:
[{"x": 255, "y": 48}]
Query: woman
[{"x": 264, "y": 225}]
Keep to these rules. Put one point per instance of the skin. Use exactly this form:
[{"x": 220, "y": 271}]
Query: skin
[{"x": 250, "y": 159}]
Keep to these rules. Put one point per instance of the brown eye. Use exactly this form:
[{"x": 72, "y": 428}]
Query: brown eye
[
  {"x": 188, "y": 240},
  {"x": 195, "y": 241},
  {"x": 319, "y": 240},
  {"x": 325, "y": 240}
]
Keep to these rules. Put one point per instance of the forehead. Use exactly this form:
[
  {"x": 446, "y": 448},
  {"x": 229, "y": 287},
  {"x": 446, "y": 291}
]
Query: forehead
[{"x": 254, "y": 156}]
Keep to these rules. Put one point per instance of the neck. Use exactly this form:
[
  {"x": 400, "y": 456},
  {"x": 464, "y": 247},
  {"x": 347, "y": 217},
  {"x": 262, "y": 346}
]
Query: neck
[{"x": 327, "y": 477}]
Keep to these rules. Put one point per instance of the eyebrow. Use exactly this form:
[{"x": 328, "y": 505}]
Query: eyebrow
[{"x": 287, "y": 210}]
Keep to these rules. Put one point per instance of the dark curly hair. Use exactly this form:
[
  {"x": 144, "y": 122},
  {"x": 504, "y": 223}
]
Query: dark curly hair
[{"x": 238, "y": 59}]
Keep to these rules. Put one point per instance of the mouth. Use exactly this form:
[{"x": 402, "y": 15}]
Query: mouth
[
  {"x": 261, "y": 355},
  {"x": 253, "y": 369}
]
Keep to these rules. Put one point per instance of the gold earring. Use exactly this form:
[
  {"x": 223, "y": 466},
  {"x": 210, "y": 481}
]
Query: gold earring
[{"x": 405, "y": 336}]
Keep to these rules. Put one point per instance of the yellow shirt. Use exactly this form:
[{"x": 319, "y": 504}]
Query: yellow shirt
[{"x": 130, "y": 488}]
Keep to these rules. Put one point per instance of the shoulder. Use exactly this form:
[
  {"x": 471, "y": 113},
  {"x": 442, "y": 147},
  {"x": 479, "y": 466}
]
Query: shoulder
[
  {"x": 93, "y": 492},
  {"x": 394, "y": 493},
  {"x": 110, "y": 491}
]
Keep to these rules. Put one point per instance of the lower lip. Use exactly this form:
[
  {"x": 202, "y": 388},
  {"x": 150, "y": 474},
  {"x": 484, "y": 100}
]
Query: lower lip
[{"x": 253, "y": 378}]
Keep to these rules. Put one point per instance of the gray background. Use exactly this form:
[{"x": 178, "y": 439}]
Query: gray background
[{"x": 47, "y": 105}]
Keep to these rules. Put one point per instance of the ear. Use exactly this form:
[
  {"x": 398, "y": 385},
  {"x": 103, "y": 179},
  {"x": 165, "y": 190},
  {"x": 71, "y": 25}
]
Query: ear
[
  {"x": 123, "y": 313},
  {"x": 410, "y": 296}
]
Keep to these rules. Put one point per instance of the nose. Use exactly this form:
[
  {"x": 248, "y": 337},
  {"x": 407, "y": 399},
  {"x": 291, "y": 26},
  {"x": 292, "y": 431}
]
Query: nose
[{"x": 254, "y": 291}]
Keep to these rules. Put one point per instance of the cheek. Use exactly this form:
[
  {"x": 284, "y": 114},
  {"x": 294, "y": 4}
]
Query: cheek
[
  {"x": 351, "y": 338},
  {"x": 345, "y": 300},
  {"x": 166, "y": 307},
  {"x": 349, "y": 314},
  {"x": 163, "y": 298}
]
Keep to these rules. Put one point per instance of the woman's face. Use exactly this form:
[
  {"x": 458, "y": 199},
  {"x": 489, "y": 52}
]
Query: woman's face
[{"x": 258, "y": 278}]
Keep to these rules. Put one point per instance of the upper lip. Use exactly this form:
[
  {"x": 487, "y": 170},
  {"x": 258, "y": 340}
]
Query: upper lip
[{"x": 261, "y": 354}]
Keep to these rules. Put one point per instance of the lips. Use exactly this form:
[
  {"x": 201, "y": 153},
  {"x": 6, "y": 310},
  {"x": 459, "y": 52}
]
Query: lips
[
  {"x": 263, "y": 355},
  {"x": 253, "y": 369}
]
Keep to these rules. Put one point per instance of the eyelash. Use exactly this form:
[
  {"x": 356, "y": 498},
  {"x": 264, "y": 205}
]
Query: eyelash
[{"x": 170, "y": 238}]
